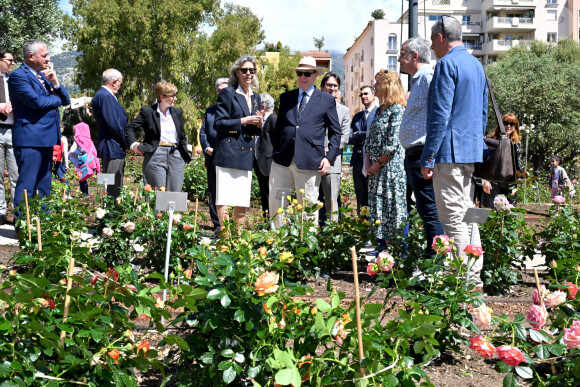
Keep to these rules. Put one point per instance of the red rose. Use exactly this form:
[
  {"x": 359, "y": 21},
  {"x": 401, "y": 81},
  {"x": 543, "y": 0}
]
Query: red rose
[
  {"x": 484, "y": 348},
  {"x": 473, "y": 250},
  {"x": 569, "y": 288},
  {"x": 510, "y": 355}
]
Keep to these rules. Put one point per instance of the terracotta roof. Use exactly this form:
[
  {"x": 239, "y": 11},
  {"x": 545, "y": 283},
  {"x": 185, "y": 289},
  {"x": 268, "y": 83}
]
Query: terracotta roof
[{"x": 316, "y": 54}]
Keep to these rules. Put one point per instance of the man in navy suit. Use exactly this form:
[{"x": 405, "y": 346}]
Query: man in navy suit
[
  {"x": 36, "y": 94},
  {"x": 298, "y": 154},
  {"x": 207, "y": 138},
  {"x": 111, "y": 120},
  {"x": 361, "y": 122},
  {"x": 456, "y": 123}
]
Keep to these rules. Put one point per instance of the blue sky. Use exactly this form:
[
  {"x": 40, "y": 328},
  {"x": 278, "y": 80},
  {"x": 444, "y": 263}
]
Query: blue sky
[{"x": 295, "y": 23}]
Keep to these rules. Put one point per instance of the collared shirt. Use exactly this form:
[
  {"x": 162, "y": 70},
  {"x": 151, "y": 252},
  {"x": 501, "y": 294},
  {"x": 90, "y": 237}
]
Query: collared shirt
[
  {"x": 10, "y": 119},
  {"x": 414, "y": 124},
  {"x": 168, "y": 131},
  {"x": 308, "y": 93},
  {"x": 239, "y": 90},
  {"x": 109, "y": 90}
]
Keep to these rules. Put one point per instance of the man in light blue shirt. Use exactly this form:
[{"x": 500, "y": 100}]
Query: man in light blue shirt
[
  {"x": 414, "y": 58},
  {"x": 456, "y": 122}
]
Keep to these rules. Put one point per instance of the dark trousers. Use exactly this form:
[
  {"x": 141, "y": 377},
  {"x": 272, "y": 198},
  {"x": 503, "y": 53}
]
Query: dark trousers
[
  {"x": 84, "y": 186},
  {"x": 264, "y": 189},
  {"x": 424, "y": 201},
  {"x": 361, "y": 184},
  {"x": 210, "y": 169},
  {"x": 34, "y": 165},
  {"x": 59, "y": 171},
  {"x": 116, "y": 167}
]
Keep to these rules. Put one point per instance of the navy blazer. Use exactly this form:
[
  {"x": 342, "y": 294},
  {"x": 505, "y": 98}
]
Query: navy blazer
[
  {"x": 304, "y": 141},
  {"x": 265, "y": 145},
  {"x": 149, "y": 119},
  {"x": 111, "y": 120},
  {"x": 235, "y": 142},
  {"x": 207, "y": 133},
  {"x": 457, "y": 110},
  {"x": 358, "y": 133},
  {"x": 36, "y": 115}
]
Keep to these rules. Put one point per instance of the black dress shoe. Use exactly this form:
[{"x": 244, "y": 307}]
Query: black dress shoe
[{"x": 2, "y": 219}]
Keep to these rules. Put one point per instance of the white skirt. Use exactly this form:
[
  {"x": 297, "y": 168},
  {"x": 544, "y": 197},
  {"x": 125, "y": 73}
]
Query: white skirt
[{"x": 233, "y": 187}]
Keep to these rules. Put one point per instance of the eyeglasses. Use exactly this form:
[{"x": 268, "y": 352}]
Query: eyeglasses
[
  {"x": 331, "y": 85},
  {"x": 509, "y": 123},
  {"x": 306, "y": 74},
  {"x": 245, "y": 70},
  {"x": 171, "y": 95},
  {"x": 361, "y": 94},
  {"x": 9, "y": 61}
]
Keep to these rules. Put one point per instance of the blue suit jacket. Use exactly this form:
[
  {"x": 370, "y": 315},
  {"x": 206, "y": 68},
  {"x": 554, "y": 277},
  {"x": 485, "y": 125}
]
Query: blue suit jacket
[
  {"x": 305, "y": 140},
  {"x": 36, "y": 115},
  {"x": 358, "y": 133},
  {"x": 235, "y": 142},
  {"x": 207, "y": 133},
  {"x": 111, "y": 120},
  {"x": 457, "y": 115}
]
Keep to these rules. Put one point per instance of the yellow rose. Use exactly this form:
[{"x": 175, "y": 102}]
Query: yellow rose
[
  {"x": 378, "y": 222},
  {"x": 299, "y": 207},
  {"x": 294, "y": 201},
  {"x": 280, "y": 210},
  {"x": 301, "y": 191},
  {"x": 286, "y": 257}
]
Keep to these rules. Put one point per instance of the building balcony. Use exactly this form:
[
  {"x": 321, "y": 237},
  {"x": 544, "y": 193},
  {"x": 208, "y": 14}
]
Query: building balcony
[
  {"x": 487, "y": 5},
  {"x": 474, "y": 49},
  {"x": 473, "y": 27},
  {"x": 514, "y": 24},
  {"x": 497, "y": 46}
]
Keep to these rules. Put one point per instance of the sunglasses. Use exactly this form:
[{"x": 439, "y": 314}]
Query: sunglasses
[
  {"x": 361, "y": 94},
  {"x": 509, "y": 123},
  {"x": 171, "y": 95},
  {"x": 9, "y": 61},
  {"x": 306, "y": 74},
  {"x": 245, "y": 70},
  {"x": 442, "y": 26}
]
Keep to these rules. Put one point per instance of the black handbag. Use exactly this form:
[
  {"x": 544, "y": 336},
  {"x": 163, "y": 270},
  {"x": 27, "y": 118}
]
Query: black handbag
[{"x": 499, "y": 164}]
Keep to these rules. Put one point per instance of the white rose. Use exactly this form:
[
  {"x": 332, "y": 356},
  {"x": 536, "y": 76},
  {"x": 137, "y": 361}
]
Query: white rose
[
  {"x": 107, "y": 232},
  {"x": 75, "y": 236},
  {"x": 205, "y": 241},
  {"x": 176, "y": 219},
  {"x": 554, "y": 299},
  {"x": 100, "y": 213},
  {"x": 129, "y": 227}
]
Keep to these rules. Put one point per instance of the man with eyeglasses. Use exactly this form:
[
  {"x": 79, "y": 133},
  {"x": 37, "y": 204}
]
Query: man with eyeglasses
[
  {"x": 456, "y": 122},
  {"x": 414, "y": 58},
  {"x": 299, "y": 157},
  {"x": 111, "y": 120},
  {"x": 361, "y": 122},
  {"x": 36, "y": 95},
  {"x": 330, "y": 183},
  {"x": 6, "y": 123}
]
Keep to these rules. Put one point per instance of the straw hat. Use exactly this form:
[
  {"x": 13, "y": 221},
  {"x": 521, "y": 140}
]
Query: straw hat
[{"x": 308, "y": 63}]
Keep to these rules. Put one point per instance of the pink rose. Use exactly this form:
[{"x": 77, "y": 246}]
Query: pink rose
[
  {"x": 536, "y": 298},
  {"x": 372, "y": 268},
  {"x": 554, "y": 299},
  {"x": 385, "y": 261},
  {"x": 472, "y": 250},
  {"x": 510, "y": 355},
  {"x": 558, "y": 199},
  {"x": 569, "y": 288},
  {"x": 442, "y": 244},
  {"x": 502, "y": 203},
  {"x": 572, "y": 335},
  {"x": 481, "y": 316},
  {"x": 537, "y": 316},
  {"x": 198, "y": 151},
  {"x": 484, "y": 348}
]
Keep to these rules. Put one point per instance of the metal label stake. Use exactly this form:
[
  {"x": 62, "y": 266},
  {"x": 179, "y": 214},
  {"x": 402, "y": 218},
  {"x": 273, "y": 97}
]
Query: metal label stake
[{"x": 170, "y": 202}]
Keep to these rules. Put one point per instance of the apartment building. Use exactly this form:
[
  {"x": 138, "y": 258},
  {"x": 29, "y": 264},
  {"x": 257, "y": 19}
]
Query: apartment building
[{"x": 490, "y": 27}]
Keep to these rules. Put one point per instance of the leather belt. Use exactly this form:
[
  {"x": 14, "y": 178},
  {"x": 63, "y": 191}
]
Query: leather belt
[
  {"x": 163, "y": 143},
  {"x": 414, "y": 151},
  {"x": 5, "y": 126}
]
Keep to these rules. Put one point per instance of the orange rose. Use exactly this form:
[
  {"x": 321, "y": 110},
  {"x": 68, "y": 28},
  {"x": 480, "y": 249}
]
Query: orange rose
[
  {"x": 114, "y": 353},
  {"x": 144, "y": 346},
  {"x": 148, "y": 188},
  {"x": 187, "y": 226},
  {"x": 266, "y": 283},
  {"x": 263, "y": 251}
]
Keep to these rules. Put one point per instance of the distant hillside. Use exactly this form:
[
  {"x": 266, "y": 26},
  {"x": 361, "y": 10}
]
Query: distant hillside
[
  {"x": 65, "y": 65},
  {"x": 338, "y": 66}
]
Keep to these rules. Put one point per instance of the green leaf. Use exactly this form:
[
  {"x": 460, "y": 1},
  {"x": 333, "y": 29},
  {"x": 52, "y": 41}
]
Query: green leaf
[
  {"x": 541, "y": 351},
  {"x": 224, "y": 365},
  {"x": 390, "y": 381},
  {"x": 418, "y": 346},
  {"x": 227, "y": 352},
  {"x": 229, "y": 375},
  {"x": 216, "y": 294},
  {"x": 319, "y": 325},
  {"x": 373, "y": 310},
  {"x": 520, "y": 331},
  {"x": 288, "y": 376},
  {"x": 556, "y": 349},
  {"x": 510, "y": 380},
  {"x": 207, "y": 358},
  {"x": 239, "y": 358},
  {"x": 524, "y": 372},
  {"x": 254, "y": 371},
  {"x": 502, "y": 367},
  {"x": 323, "y": 306},
  {"x": 225, "y": 300},
  {"x": 239, "y": 316}
]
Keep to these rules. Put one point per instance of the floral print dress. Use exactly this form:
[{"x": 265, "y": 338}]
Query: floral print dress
[{"x": 388, "y": 188}]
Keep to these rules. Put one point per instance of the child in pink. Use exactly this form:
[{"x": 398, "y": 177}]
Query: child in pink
[{"x": 83, "y": 140}]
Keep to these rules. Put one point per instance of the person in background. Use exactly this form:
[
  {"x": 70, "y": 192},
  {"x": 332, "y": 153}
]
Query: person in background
[
  {"x": 384, "y": 160},
  {"x": 207, "y": 138},
  {"x": 558, "y": 177},
  {"x": 82, "y": 139},
  {"x": 508, "y": 189},
  {"x": 263, "y": 150},
  {"x": 237, "y": 123},
  {"x": 165, "y": 144}
]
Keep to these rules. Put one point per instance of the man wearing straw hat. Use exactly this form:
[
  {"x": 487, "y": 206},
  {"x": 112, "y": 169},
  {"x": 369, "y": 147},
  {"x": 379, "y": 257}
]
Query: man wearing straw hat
[{"x": 299, "y": 157}]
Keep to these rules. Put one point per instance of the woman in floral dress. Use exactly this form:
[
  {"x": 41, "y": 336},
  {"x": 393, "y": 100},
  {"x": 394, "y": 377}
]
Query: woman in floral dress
[{"x": 384, "y": 159}]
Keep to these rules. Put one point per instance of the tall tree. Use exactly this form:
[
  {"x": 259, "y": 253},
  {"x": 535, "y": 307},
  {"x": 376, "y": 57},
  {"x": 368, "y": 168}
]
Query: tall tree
[
  {"x": 539, "y": 85},
  {"x": 278, "y": 77},
  {"x": 319, "y": 43},
  {"x": 21, "y": 20}
]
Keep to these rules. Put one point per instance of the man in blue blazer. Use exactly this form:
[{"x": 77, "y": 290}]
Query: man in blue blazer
[
  {"x": 36, "y": 94},
  {"x": 299, "y": 157},
  {"x": 207, "y": 138},
  {"x": 361, "y": 122},
  {"x": 456, "y": 123},
  {"x": 111, "y": 120}
]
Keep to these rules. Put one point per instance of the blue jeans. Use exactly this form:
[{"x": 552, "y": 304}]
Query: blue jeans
[{"x": 424, "y": 201}]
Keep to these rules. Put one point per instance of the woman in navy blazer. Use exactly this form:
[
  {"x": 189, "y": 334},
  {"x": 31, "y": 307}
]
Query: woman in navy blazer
[
  {"x": 238, "y": 122},
  {"x": 165, "y": 144}
]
